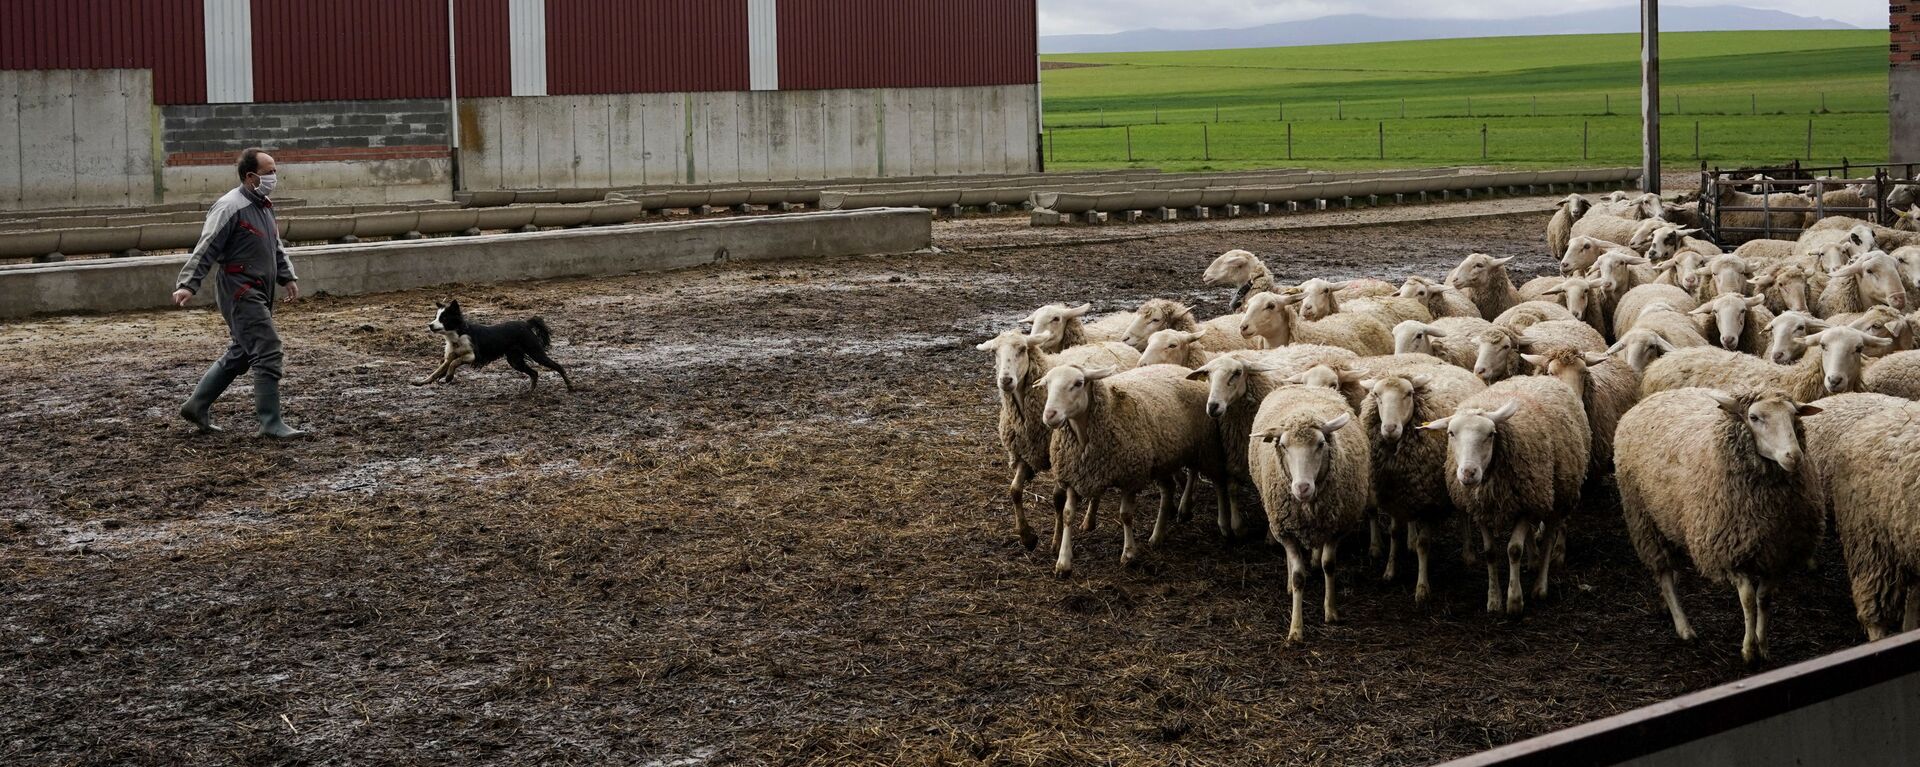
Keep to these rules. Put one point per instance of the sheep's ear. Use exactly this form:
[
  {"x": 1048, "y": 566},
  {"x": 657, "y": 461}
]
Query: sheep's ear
[
  {"x": 1289, "y": 299},
  {"x": 1329, "y": 427},
  {"x": 1434, "y": 331},
  {"x": 1753, "y": 301},
  {"x": 1349, "y": 377},
  {"x": 1369, "y": 383},
  {"x": 1667, "y": 265},
  {"x": 1702, "y": 310},
  {"x": 1851, "y": 268},
  {"x": 1726, "y": 401},
  {"x": 1296, "y": 379},
  {"x": 1039, "y": 339},
  {"x": 1501, "y": 261},
  {"x": 1200, "y": 374},
  {"x": 1816, "y": 339},
  {"x": 1817, "y": 325},
  {"x": 1099, "y": 373},
  {"x": 1341, "y": 285},
  {"x": 1421, "y": 381},
  {"x": 1505, "y": 412},
  {"x": 1079, "y": 311},
  {"x": 1761, "y": 282},
  {"x": 1523, "y": 343},
  {"x": 1664, "y": 345},
  {"x": 1803, "y": 409},
  {"x": 1187, "y": 313},
  {"x": 1635, "y": 260},
  {"x": 1556, "y": 290},
  {"x": 1878, "y": 342},
  {"x": 1195, "y": 335},
  {"x": 1438, "y": 424},
  {"x": 1535, "y": 360},
  {"x": 1897, "y": 327},
  {"x": 988, "y": 344},
  {"x": 1270, "y": 435},
  {"x": 1595, "y": 359},
  {"x": 1689, "y": 232},
  {"x": 1617, "y": 347}
]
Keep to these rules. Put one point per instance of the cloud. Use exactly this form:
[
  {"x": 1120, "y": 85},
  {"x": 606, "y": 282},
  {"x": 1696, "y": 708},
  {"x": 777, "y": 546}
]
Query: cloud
[{"x": 1062, "y": 17}]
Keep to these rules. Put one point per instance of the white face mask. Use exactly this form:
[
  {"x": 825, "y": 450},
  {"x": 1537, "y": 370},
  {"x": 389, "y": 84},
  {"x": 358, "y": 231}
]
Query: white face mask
[{"x": 267, "y": 182}]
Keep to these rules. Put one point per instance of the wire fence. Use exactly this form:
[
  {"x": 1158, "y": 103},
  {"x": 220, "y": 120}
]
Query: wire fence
[{"x": 1585, "y": 104}]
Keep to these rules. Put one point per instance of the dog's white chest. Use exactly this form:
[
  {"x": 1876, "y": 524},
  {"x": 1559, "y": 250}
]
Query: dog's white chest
[{"x": 459, "y": 348}]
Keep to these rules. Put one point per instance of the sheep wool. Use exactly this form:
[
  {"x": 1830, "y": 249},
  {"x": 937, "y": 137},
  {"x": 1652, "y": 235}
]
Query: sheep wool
[
  {"x": 1866, "y": 448},
  {"x": 1310, "y": 461}
]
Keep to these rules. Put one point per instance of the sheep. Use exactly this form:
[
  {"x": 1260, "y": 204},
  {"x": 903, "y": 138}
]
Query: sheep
[
  {"x": 1516, "y": 459},
  {"x": 1018, "y": 363},
  {"x": 1525, "y": 315},
  {"x": 1065, "y": 329},
  {"x": 1586, "y": 299},
  {"x": 1600, "y": 225},
  {"x": 1606, "y": 390},
  {"x": 1582, "y": 251},
  {"x": 1559, "y": 228},
  {"x": 1737, "y": 323},
  {"x": 1760, "y": 251},
  {"x": 1441, "y": 300},
  {"x": 1833, "y": 368},
  {"x": 1500, "y": 347},
  {"x": 1873, "y": 278},
  {"x": 1310, "y": 461},
  {"x": 1448, "y": 338},
  {"x": 1162, "y": 314},
  {"x": 1785, "y": 211},
  {"x": 1669, "y": 240},
  {"x": 1237, "y": 382},
  {"x": 1867, "y": 451},
  {"x": 1620, "y": 271},
  {"x": 1909, "y": 258},
  {"x": 1125, "y": 430},
  {"x": 1272, "y": 322},
  {"x": 1321, "y": 299},
  {"x": 1852, "y": 241},
  {"x": 1722, "y": 274},
  {"x": 1896, "y": 375},
  {"x": 1884, "y": 237},
  {"x": 1722, "y": 479},
  {"x": 1885, "y": 322},
  {"x": 1787, "y": 331},
  {"x": 1634, "y": 303},
  {"x": 1485, "y": 281},
  {"x": 1906, "y": 219},
  {"x": 1408, "y": 471},
  {"x": 1789, "y": 286},
  {"x": 1659, "y": 330},
  {"x": 1244, "y": 271}
]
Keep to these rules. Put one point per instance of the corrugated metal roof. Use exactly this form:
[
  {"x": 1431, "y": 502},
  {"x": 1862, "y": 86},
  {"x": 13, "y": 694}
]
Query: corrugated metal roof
[{"x": 906, "y": 43}]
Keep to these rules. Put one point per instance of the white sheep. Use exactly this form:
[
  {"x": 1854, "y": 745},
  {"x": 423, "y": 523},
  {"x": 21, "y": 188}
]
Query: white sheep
[
  {"x": 1722, "y": 479},
  {"x": 1237, "y": 382},
  {"x": 1722, "y": 274},
  {"x": 1606, "y": 388},
  {"x": 1126, "y": 430},
  {"x": 1787, "y": 332},
  {"x": 1500, "y": 350},
  {"x": 1529, "y": 313},
  {"x": 1583, "y": 251},
  {"x": 1310, "y": 461},
  {"x": 1449, "y": 338},
  {"x": 1776, "y": 213},
  {"x": 1163, "y": 314},
  {"x": 1872, "y": 278},
  {"x": 1834, "y": 367},
  {"x": 1018, "y": 364},
  {"x": 1736, "y": 322},
  {"x": 1867, "y": 452},
  {"x": 1659, "y": 330},
  {"x": 1320, "y": 299},
  {"x": 1883, "y": 321},
  {"x": 1409, "y": 471},
  {"x": 1633, "y": 303},
  {"x": 1883, "y": 237},
  {"x": 1586, "y": 299},
  {"x": 1441, "y": 300},
  {"x": 1896, "y": 375},
  {"x": 1516, "y": 459},
  {"x": 1242, "y": 270},
  {"x": 1485, "y": 281},
  {"x": 1560, "y": 227},
  {"x": 1271, "y": 320},
  {"x": 1064, "y": 327},
  {"x": 1789, "y": 285}
]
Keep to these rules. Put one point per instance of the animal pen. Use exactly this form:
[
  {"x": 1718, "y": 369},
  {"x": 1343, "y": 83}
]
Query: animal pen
[{"x": 1885, "y": 181}]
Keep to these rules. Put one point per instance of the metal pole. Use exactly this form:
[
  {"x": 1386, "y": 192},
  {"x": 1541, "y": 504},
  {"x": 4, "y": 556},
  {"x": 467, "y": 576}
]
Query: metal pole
[
  {"x": 1383, "y": 141},
  {"x": 1206, "y": 144},
  {"x": 1650, "y": 95},
  {"x": 453, "y": 101},
  {"x": 1483, "y": 141}
]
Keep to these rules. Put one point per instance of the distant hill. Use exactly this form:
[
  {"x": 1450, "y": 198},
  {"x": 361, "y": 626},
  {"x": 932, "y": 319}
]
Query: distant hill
[{"x": 1356, "y": 28}]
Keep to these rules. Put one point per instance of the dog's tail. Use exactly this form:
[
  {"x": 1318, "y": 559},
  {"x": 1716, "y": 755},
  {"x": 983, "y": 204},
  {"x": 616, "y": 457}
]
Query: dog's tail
[{"x": 540, "y": 329}]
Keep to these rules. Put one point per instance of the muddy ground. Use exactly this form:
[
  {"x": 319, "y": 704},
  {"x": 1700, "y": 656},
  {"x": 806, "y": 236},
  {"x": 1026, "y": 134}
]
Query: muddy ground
[{"x": 768, "y": 529}]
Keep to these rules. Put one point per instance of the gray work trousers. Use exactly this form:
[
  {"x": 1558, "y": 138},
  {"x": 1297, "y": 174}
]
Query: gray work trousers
[{"x": 254, "y": 343}]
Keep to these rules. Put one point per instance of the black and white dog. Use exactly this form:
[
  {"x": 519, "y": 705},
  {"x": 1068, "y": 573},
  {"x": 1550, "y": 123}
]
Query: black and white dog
[{"x": 477, "y": 345}]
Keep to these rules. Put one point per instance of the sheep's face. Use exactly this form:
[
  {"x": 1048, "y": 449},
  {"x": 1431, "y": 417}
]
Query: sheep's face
[
  {"x": 1577, "y": 294},
  {"x": 1415, "y": 337},
  {"x": 1394, "y": 399},
  {"x": 1729, "y": 313},
  {"x": 1226, "y": 383},
  {"x": 1614, "y": 270},
  {"x": 1884, "y": 322},
  {"x": 1879, "y": 279},
  {"x": 1683, "y": 270},
  {"x": 1667, "y": 242},
  {"x": 1643, "y": 234},
  {"x": 1306, "y": 453},
  {"x": 1907, "y": 220},
  {"x": 1571, "y": 369},
  {"x": 1909, "y": 261},
  {"x": 1729, "y": 274},
  {"x": 1068, "y": 390},
  {"x": 1495, "y": 360},
  {"x": 1322, "y": 376},
  {"x": 1417, "y": 289},
  {"x": 1170, "y": 347},
  {"x": 1268, "y": 317},
  {"x": 1842, "y": 355},
  {"x": 1479, "y": 270},
  {"x": 1774, "y": 422},
  {"x": 1052, "y": 320},
  {"x": 1317, "y": 301},
  {"x": 1575, "y": 206},
  {"x": 1581, "y": 252},
  {"x": 1154, "y": 316},
  {"x": 1790, "y": 285},
  {"x": 1234, "y": 267},
  {"x": 1786, "y": 334},
  {"x": 1859, "y": 239},
  {"x": 1639, "y": 348},
  {"x": 1013, "y": 356},
  {"x": 1471, "y": 434}
]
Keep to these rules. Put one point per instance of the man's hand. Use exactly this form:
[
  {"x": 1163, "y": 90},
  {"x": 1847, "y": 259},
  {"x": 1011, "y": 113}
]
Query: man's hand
[
  {"x": 182, "y": 296},
  {"x": 293, "y": 290}
]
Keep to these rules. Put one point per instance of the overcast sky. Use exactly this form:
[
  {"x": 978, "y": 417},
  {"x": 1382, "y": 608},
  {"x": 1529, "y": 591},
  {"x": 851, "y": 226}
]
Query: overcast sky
[{"x": 1062, "y": 17}]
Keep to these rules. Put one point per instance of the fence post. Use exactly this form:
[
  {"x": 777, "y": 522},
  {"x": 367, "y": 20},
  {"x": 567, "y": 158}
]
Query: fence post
[
  {"x": 1383, "y": 140},
  {"x": 1696, "y": 139},
  {"x": 1156, "y": 115},
  {"x": 1289, "y": 141},
  {"x": 1469, "y": 106},
  {"x": 1206, "y": 144},
  {"x": 1823, "y": 102},
  {"x": 1809, "y": 139},
  {"x": 1678, "y": 108},
  {"x": 1129, "y": 143},
  {"x": 1754, "y": 108},
  {"x": 1052, "y": 154},
  {"x": 1483, "y": 141},
  {"x": 1103, "y": 117},
  {"x": 1283, "y": 111},
  {"x": 1403, "y": 108},
  {"x": 1216, "y": 113},
  {"x": 1536, "y": 106},
  {"x": 1583, "y": 139},
  {"x": 1340, "y": 109},
  {"x": 1609, "y": 97}
]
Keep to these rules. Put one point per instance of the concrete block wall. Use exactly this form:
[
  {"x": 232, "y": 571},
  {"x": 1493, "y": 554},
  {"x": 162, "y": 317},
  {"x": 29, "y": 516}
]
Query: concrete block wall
[
  {"x": 76, "y": 137},
  {"x": 228, "y": 128},
  {"x": 1903, "y": 83},
  {"x": 746, "y": 136}
]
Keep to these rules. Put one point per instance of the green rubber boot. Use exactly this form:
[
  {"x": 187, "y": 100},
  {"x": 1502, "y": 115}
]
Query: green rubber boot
[
  {"x": 197, "y": 410},
  {"x": 266, "y": 407}
]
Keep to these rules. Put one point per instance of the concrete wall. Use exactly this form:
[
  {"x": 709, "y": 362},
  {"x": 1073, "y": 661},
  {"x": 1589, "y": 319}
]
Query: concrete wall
[
  {"x": 76, "y": 137},
  {"x": 346, "y": 182},
  {"x": 144, "y": 283},
  {"x": 730, "y": 137}
]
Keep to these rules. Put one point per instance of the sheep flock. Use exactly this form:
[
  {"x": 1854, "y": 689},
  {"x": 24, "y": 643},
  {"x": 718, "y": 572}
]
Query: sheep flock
[{"x": 1742, "y": 404}]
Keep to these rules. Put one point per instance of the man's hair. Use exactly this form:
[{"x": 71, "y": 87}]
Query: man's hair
[{"x": 249, "y": 161}]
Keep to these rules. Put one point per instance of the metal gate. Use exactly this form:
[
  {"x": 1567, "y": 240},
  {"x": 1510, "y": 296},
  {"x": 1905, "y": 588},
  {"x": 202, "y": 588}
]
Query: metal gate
[{"x": 1890, "y": 186}]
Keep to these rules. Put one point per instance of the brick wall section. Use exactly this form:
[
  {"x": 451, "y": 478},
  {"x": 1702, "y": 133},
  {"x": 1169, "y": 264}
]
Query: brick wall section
[
  {"x": 1904, "y": 48},
  {"x": 1903, "y": 82},
  {"x": 192, "y": 130}
]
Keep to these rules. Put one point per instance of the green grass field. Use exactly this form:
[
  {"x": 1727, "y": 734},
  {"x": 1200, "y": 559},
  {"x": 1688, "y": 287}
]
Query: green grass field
[{"x": 1752, "y": 94}]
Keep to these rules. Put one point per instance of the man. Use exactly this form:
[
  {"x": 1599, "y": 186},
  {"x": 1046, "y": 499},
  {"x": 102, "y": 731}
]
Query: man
[{"x": 241, "y": 245}]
